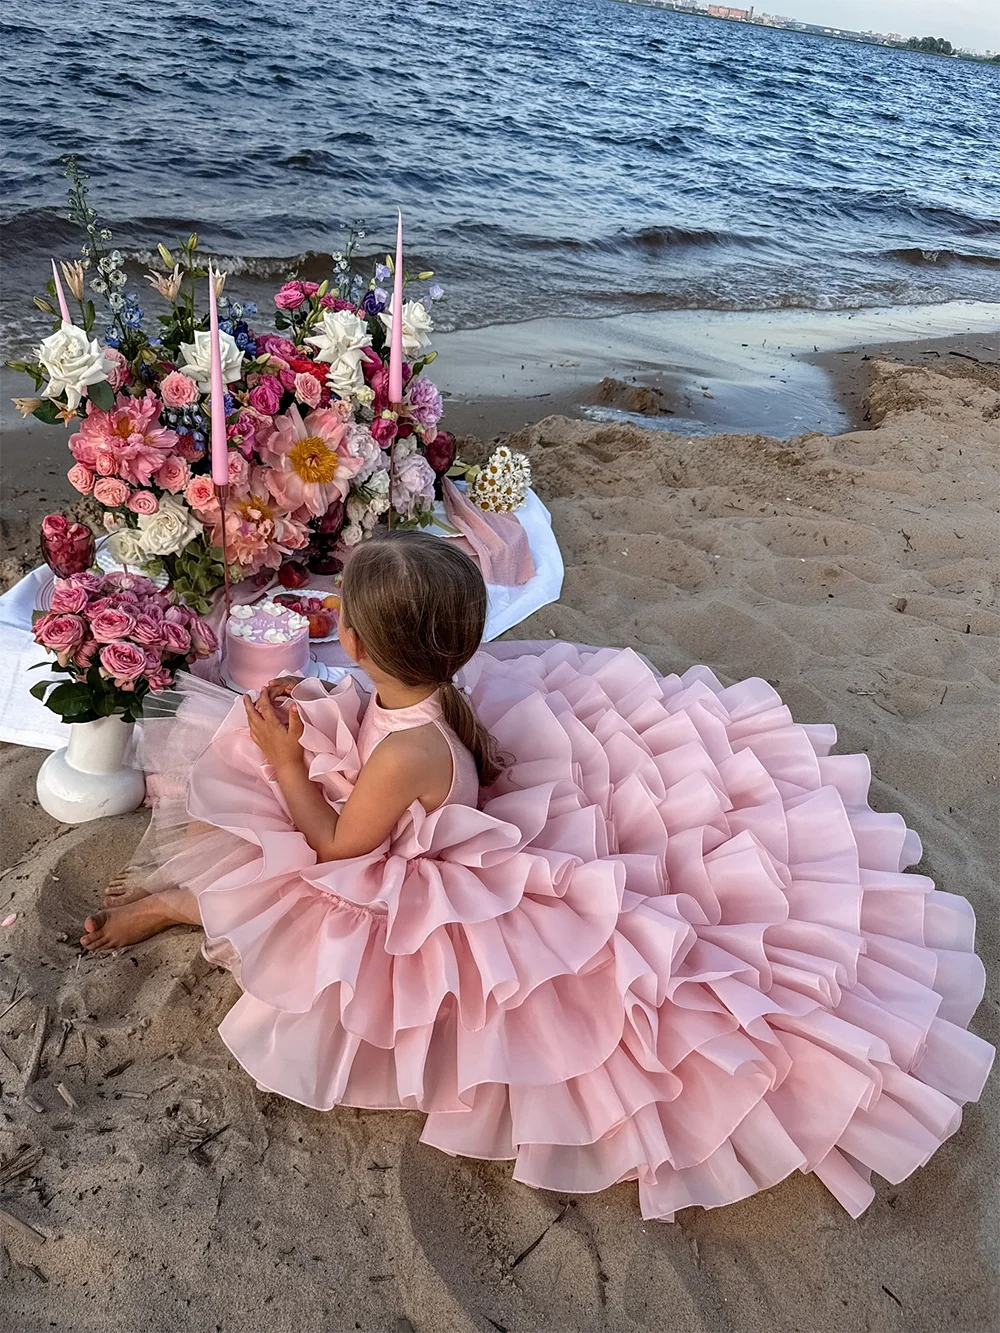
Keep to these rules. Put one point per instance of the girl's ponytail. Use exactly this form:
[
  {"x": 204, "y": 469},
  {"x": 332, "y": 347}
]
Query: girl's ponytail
[{"x": 461, "y": 717}]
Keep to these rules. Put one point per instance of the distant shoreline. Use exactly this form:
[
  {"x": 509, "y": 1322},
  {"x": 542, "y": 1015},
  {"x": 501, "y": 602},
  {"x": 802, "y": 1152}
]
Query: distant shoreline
[{"x": 814, "y": 30}]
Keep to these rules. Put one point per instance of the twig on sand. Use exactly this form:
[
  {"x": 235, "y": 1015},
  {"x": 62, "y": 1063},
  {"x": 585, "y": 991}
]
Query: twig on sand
[
  {"x": 965, "y": 357},
  {"x": 118, "y": 1069},
  {"x": 12, "y": 1004},
  {"x": 66, "y": 1027},
  {"x": 34, "y": 1059},
  {"x": 24, "y": 1228},
  {"x": 17, "y": 1166},
  {"x": 196, "y": 1147},
  {"x": 67, "y": 1096},
  {"x": 8, "y": 1055},
  {"x": 535, "y": 1243}
]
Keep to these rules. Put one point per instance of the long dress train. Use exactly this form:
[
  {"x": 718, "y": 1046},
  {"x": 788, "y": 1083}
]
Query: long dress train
[{"x": 673, "y": 944}]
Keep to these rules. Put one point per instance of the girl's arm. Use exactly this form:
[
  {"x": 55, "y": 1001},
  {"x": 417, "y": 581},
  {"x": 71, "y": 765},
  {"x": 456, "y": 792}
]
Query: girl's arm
[{"x": 394, "y": 777}]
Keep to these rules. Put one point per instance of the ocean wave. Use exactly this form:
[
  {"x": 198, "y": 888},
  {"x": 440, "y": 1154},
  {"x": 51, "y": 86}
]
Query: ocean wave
[{"x": 919, "y": 256}]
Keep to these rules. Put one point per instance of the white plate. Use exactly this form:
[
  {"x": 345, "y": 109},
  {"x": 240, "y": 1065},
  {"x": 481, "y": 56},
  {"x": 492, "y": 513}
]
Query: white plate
[{"x": 274, "y": 592}]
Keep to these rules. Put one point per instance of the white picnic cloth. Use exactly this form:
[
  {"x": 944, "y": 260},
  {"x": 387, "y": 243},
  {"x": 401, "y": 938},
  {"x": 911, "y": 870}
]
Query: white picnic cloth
[{"x": 25, "y": 721}]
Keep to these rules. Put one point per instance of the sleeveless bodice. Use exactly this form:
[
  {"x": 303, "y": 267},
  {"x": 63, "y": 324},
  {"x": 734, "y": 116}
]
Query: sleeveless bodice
[{"x": 379, "y": 722}]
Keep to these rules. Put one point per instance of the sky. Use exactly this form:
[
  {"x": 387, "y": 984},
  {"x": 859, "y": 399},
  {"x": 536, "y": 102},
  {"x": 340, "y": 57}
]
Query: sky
[{"x": 971, "y": 23}]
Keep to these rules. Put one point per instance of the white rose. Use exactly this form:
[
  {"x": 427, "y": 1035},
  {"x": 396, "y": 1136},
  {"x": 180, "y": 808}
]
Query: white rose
[
  {"x": 168, "y": 530},
  {"x": 340, "y": 341},
  {"x": 72, "y": 361},
  {"x": 352, "y": 534},
  {"x": 417, "y": 328},
  {"x": 125, "y": 546},
  {"x": 198, "y": 359}
]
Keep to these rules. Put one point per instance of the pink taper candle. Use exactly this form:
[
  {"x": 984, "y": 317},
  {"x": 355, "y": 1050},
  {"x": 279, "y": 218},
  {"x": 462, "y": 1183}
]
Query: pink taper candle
[
  {"x": 396, "y": 340},
  {"x": 61, "y": 295},
  {"x": 220, "y": 441}
]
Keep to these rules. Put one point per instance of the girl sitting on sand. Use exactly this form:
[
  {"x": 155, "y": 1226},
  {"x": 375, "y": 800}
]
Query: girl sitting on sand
[{"x": 668, "y": 941}]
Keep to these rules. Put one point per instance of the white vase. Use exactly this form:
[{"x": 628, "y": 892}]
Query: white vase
[{"x": 89, "y": 778}]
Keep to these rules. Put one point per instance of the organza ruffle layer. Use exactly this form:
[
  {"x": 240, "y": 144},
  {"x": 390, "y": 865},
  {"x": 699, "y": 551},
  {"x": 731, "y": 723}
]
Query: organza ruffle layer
[{"x": 675, "y": 945}]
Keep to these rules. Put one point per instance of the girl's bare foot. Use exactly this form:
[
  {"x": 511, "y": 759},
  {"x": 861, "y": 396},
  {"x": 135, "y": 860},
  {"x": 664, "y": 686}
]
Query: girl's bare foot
[
  {"x": 123, "y": 890},
  {"x": 120, "y": 926}
]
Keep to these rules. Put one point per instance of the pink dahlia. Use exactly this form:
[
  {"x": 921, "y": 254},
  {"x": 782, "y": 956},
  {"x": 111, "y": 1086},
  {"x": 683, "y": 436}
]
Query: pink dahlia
[
  {"x": 311, "y": 465},
  {"x": 127, "y": 442},
  {"x": 259, "y": 532}
]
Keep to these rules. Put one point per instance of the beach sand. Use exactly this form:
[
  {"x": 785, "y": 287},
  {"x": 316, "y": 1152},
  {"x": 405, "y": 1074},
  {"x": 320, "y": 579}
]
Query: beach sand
[{"x": 858, "y": 573}]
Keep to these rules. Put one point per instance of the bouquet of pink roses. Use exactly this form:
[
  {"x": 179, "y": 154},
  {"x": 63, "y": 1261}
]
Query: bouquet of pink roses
[
  {"x": 116, "y": 637},
  {"x": 308, "y": 415}
]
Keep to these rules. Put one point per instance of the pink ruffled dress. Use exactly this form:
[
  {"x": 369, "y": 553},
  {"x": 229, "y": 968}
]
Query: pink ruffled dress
[{"x": 672, "y": 943}]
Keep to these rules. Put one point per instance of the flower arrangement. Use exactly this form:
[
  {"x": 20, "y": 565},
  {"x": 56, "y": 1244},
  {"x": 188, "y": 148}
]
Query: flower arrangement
[
  {"x": 116, "y": 637},
  {"x": 308, "y": 415},
  {"x": 501, "y": 484}
]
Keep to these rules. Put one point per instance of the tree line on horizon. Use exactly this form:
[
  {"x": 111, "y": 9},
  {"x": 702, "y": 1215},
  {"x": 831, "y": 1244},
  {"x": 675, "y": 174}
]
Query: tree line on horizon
[{"x": 940, "y": 46}]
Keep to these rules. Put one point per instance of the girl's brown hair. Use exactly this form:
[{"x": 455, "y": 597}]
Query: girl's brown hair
[{"x": 418, "y": 604}]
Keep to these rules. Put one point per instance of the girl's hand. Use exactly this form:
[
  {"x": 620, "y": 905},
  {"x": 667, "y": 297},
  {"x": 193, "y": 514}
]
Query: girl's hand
[
  {"x": 278, "y": 743},
  {"x": 281, "y": 686}
]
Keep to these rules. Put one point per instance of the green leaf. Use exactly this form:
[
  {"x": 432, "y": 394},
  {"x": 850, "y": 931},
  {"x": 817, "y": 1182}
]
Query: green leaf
[
  {"x": 40, "y": 689},
  {"x": 48, "y": 412},
  {"x": 102, "y": 395}
]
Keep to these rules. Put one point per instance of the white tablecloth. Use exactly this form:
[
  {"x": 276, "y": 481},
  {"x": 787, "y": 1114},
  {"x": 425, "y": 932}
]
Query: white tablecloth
[{"x": 24, "y": 721}]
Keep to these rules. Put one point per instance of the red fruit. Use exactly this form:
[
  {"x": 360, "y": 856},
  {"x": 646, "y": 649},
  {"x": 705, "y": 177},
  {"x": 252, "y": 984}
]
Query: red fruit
[
  {"x": 320, "y": 624},
  {"x": 293, "y": 575}
]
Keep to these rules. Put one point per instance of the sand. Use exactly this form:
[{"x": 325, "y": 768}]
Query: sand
[{"x": 858, "y": 574}]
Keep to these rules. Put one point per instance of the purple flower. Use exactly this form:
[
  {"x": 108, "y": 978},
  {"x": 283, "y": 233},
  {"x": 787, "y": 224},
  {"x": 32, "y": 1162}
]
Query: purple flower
[
  {"x": 374, "y": 302},
  {"x": 382, "y": 273},
  {"x": 435, "y": 291},
  {"x": 425, "y": 401}
]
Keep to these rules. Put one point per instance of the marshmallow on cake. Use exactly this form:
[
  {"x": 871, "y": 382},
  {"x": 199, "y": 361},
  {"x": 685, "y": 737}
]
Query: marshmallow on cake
[{"x": 264, "y": 641}]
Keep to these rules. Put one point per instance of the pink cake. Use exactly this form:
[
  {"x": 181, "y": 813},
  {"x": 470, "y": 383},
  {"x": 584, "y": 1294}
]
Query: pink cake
[{"x": 262, "y": 642}]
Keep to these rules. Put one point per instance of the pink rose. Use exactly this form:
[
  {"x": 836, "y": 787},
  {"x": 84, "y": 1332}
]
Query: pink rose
[
  {"x": 330, "y": 302},
  {"x": 175, "y": 638},
  {"x": 111, "y": 624},
  {"x": 143, "y": 502},
  {"x": 124, "y": 661},
  {"x": 117, "y": 368},
  {"x": 82, "y": 478},
  {"x": 203, "y": 638},
  {"x": 84, "y": 655},
  {"x": 160, "y": 679},
  {"x": 148, "y": 630},
  {"x": 175, "y": 474},
  {"x": 384, "y": 430},
  {"x": 104, "y": 462},
  {"x": 189, "y": 448},
  {"x": 55, "y": 526},
  {"x": 178, "y": 390},
  {"x": 110, "y": 491},
  {"x": 200, "y": 493},
  {"x": 308, "y": 390},
  {"x": 60, "y": 633},
  {"x": 239, "y": 468},
  {"x": 275, "y": 345},
  {"x": 266, "y": 397},
  {"x": 68, "y": 597},
  {"x": 290, "y": 297},
  {"x": 88, "y": 582}
]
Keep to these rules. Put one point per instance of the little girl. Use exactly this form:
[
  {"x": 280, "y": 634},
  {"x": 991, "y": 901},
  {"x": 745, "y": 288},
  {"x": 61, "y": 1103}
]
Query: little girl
[{"x": 665, "y": 940}]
